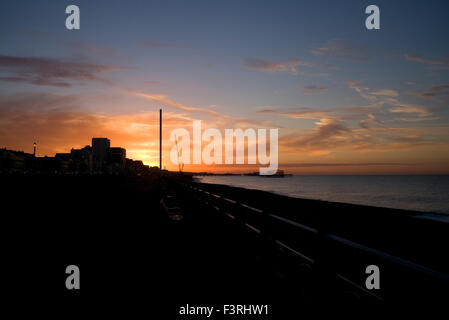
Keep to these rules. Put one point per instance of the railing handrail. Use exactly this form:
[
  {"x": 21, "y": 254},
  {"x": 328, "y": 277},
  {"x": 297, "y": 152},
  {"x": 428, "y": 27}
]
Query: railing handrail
[
  {"x": 389, "y": 257},
  {"x": 327, "y": 236}
]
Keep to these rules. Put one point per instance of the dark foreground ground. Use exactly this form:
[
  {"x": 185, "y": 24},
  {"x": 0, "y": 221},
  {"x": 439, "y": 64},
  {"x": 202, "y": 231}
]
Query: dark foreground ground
[{"x": 133, "y": 258}]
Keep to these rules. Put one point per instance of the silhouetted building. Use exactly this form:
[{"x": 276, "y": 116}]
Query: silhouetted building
[
  {"x": 82, "y": 159},
  {"x": 100, "y": 148},
  {"x": 63, "y": 156},
  {"x": 136, "y": 167},
  {"x": 100, "y": 158},
  {"x": 117, "y": 155},
  {"x": 116, "y": 160},
  {"x": 15, "y": 161},
  {"x": 52, "y": 165}
]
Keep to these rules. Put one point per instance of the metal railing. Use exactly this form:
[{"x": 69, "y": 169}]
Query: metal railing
[{"x": 329, "y": 253}]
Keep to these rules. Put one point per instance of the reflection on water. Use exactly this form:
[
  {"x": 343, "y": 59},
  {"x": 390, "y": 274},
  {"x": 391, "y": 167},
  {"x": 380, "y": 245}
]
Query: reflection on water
[{"x": 424, "y": 193}]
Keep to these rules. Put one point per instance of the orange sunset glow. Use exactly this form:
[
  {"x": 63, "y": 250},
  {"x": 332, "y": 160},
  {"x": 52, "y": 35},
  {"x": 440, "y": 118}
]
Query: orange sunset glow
[{"x": 344, "y": 104}]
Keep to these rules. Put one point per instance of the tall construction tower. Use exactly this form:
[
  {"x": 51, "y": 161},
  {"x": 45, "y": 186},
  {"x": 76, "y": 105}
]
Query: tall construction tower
[{"x": 160, "y": 139}]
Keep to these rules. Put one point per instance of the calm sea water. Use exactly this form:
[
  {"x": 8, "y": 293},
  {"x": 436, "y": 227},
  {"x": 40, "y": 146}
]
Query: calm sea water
[{"x": 423, "y": 193}]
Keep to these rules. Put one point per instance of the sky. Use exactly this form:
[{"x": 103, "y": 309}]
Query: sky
[{"x": 346, "y": 100}]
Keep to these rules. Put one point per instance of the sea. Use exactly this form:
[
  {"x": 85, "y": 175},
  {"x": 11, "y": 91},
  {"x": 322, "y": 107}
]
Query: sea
[{"x": 426, "y": 193}]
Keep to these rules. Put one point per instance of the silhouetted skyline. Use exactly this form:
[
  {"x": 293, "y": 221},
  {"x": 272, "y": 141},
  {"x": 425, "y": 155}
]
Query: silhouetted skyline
[{"x": 99, "y": 157}]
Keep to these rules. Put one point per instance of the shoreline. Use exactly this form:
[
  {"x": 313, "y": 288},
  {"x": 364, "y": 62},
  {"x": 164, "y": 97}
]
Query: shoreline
[
  {"x": 288, "y": 188},
  {"x": 405, "y": 233}
]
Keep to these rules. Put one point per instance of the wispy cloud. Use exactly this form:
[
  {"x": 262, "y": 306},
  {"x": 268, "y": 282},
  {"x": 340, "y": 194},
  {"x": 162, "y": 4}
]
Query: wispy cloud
[
  {"x": 51, "y": 72},
  {"x": 362, "y": 91},
  {"x": 417, "y": 119},
  {"x": 407, "y": 108},
  {"x": 341, "y": 113},
  {"x": 432, "y": 92},
  {"x": 416, "y": 58},
  {"x": 269, "y": 66},
  {"x": 347, "y": 50},
  {"x": 385, "y": 92},
  {"x": 440, "y": 64},
  {"x": 311, "y": 89},
  {"x": 370, "y": 122},
  {"x": 388, "y": 97},
  {"x": 167, "y": 101},
  {"x": 291, "y": 66},
  {"x": 220, "y": 118},
  {"x": 422, "y": 94},
  {"x": 297, "y": 113},
  {"x": 439, "y": 88},
  {"x": 419, "y": 113},
  {"x": 330, "y": 136},
  {"x": 336, "y": 130},
  {"x": 328, "y": 133}
]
